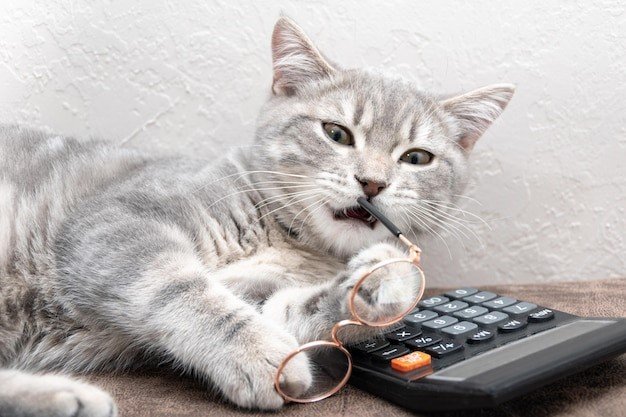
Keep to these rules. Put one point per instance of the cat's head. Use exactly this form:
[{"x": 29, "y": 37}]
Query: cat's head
[{"x": 332, "y": 135}]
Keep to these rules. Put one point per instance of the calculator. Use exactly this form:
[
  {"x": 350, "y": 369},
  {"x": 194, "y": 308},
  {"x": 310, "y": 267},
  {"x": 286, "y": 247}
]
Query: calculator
[{"x": 468, "y": 349}]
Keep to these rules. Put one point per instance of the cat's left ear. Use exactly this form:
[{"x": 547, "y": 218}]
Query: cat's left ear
[
  {"x": 477, "y": 110},
  {"x": 295, "y": 59}
]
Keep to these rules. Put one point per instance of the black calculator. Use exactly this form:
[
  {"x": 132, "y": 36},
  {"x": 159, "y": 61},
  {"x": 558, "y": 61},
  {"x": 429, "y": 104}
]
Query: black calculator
[{"x": 468, "y": 349}]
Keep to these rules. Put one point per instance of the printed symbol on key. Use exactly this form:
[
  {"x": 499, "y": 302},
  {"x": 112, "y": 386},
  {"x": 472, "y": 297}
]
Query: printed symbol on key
[
  {"x": 439, "y": 321},
  {"x": 403, "y": 334}
]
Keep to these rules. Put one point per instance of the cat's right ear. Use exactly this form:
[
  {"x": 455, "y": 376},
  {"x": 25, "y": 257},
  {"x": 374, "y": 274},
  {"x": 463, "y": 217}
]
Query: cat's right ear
[{"x": 295, "y": 59}]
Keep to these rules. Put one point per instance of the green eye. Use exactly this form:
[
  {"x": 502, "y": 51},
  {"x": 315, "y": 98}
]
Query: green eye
[
  {"x": 417, "y": 157},
  {"x": 338, "y": 133}
]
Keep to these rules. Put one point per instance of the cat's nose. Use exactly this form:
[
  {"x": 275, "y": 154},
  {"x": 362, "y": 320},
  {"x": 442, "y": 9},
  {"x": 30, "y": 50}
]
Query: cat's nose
[{"x": 371, "y": 188}]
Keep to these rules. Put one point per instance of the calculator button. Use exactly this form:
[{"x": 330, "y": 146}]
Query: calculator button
[
  {"x": 491, "y": 318},
  {"x": 423, "y": 341},
  {"x": 451, "y": 306},
  {"x": 480, "y": 336},
  {"x": 499, "y": 303},
  {"x": 403, "y": 334},
  {"x": 390, "y": 352},
  {"x": 511, "y": 326},
  {"x": 461, "y": 292},
  {"x": 411, "y": 361},
  {"x": 459, "y": 330},
  {"x": 480, "y": 297},
  {"x": 440, "y": 322},
  {"x": 434, "y": 301},
  {"x": 541, "y": 316},
  {"x": 444, "y": 348},
  {"x": 470, "y": 312},
  {"x": 520, "y": 308},
  {"x": 371, "y": 345},
  {"x": 417, "y": 317}
]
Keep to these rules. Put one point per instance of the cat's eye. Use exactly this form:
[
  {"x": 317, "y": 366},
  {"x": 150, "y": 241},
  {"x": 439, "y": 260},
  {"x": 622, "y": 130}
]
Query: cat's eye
[
  {"x": 338, "y": 134},
  {"x": 417, "y": 157}
]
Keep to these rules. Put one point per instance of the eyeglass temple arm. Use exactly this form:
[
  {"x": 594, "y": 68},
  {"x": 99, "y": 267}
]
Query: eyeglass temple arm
[{"x": 371, "y": 209}]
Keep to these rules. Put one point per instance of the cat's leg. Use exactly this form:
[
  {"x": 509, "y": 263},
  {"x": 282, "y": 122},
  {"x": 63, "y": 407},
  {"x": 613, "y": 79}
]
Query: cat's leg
[
  {"x": 27, "y": 395},
  {"x": 148, "y": 282},
  {"x": 310, "y": 312}
]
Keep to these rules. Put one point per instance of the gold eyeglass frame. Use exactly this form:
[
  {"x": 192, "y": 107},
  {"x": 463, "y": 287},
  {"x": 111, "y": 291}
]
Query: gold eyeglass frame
[{"x": 413, "y": 258}]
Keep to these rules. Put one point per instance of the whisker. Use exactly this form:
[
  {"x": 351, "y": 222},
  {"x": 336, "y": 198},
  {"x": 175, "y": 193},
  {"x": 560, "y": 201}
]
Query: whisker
[
  {"x": 454, "y": 207},
  {"x": 444, "y": 217},
  {"x": 450, "y": 228},
  {"x": 454, "y": 219},
  {"x": 418, "y": 219},
  {"x": 257, "y": 189},
  {"x": 303, "y": 222},
  {"x": 291, "y": 203},
  {"x": 296, "y": 216},
  {"x": 275, "y": 198}
]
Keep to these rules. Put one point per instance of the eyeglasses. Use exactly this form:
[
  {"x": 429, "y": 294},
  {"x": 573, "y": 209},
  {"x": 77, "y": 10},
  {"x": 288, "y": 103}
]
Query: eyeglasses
[{"x": 382, "y": 296}]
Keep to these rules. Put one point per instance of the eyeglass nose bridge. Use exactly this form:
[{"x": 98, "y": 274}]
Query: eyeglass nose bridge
[{"x": 334, "y": 332}]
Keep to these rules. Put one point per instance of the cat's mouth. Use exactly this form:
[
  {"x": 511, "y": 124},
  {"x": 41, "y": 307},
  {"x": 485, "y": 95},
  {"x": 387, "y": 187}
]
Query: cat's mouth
[{"x": 355, "y": 213}]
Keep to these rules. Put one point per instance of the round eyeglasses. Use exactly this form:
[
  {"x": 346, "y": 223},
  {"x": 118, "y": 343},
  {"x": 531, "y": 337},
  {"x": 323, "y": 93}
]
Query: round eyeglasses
[{"x": 382, "y": 296}]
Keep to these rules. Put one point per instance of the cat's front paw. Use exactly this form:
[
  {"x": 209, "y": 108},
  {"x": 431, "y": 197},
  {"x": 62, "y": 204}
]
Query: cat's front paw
[
  {"x": 52, "y": 395},
  {"x": 248, "y": 378},
  {"x": 389, "y": 290}
]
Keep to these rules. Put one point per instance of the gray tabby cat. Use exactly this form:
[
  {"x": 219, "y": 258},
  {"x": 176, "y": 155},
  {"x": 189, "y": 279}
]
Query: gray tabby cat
[{"x": 111, "y": 259}]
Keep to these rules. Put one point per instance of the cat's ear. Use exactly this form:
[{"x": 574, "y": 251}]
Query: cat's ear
[
  {"x": 295, "y": 59},
  {"x": 477, "y": 110}
]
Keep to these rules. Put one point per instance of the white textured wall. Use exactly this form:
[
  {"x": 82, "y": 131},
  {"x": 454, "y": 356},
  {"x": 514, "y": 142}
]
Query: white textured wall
[{"x": 189, "y": 76}]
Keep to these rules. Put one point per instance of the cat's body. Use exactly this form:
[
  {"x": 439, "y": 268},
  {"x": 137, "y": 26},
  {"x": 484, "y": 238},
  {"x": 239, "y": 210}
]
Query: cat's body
[{"x": 111, "y": 259}]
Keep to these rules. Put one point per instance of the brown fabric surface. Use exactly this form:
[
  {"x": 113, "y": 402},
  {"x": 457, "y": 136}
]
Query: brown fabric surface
[{"x": 599, "y": 391}]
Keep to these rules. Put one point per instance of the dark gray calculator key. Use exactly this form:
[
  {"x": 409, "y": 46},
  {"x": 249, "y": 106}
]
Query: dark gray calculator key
[
  {"x": 460, "y": 330},
  {"x": 444, "y": 348},
  {"x": 513, "y": 325},
  {"x": 470, "y": 312},
  {"x": 491, "y": 319},
  {"x": 417, "y": 317},
  {"x": 520, "y": 308},
  {"x": 481, "y": 335},
  {"x": 439, "y": 322},
  {"x": 480, "y": 297},
  {"x": 541, "y": 315},
  {"x": 433, "y": 301},
  {"x": 403, "y": 334},
  {"x": 499, "y": 303},
  {"x": 371, "y": 345},
  {"x": 390, "y": 352},
  {"x": 461, "y": 292},
  {"x": 451, "y": 306},
  {"x": 423, "y": 341}
]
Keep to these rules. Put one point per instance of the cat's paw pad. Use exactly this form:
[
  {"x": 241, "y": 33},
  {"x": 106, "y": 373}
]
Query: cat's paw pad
[
  {"x": 58, "y": 396},
  {"x": 248, "y": 380}
]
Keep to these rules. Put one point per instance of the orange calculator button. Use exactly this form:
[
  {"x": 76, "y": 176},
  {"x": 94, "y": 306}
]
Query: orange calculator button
[{"x": 411, "y": 361}]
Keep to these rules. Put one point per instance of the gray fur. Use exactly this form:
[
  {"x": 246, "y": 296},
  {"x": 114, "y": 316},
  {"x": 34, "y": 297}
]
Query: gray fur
[{"x": 110, "y": 258}]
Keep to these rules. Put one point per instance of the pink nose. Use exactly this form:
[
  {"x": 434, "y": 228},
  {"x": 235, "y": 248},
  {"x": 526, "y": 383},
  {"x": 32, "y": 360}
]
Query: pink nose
[{"x": 371, "y": 188}]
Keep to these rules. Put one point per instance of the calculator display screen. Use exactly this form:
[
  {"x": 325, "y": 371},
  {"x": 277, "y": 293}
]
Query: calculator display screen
[{"x": 517, "y": 350}]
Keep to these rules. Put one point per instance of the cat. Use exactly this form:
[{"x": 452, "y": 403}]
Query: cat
[{"x": 112, "y": 259}]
